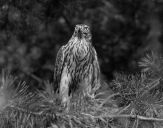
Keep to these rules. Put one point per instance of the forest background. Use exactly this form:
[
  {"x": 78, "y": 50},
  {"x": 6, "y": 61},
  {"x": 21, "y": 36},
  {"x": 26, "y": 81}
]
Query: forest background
[{"x": 32, "y": 31}]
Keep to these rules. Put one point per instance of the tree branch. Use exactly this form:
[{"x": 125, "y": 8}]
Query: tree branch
[{"x": 126, "y": 116}]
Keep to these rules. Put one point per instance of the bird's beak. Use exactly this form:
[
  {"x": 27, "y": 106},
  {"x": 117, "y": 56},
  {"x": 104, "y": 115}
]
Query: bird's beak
[{"x": 79, "y": 34}]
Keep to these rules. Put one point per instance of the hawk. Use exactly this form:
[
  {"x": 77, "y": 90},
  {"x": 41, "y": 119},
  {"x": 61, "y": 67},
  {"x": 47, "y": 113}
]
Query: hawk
[{"x": 77, "y": 65}]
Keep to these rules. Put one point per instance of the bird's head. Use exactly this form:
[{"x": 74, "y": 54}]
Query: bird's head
[{"x": 82, "y": 31}]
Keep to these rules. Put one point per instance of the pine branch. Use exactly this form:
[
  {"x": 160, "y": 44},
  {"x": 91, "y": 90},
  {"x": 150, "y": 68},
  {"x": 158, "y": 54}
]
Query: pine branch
[
  {"x": 143, "y": 118},
  {"x": 153, "y": 85},
  {"x": 108, "y": 98}
]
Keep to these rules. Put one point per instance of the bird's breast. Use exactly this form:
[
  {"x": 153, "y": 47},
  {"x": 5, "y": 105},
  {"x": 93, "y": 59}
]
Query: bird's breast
[{"x": 81, "y": 50}]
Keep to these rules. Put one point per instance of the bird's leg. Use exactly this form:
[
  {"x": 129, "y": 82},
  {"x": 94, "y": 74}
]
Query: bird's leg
[{"x": 64, "y": 88}]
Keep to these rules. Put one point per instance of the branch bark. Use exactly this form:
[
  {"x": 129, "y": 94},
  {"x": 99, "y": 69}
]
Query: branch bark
[{"x": 126, "y": 116}]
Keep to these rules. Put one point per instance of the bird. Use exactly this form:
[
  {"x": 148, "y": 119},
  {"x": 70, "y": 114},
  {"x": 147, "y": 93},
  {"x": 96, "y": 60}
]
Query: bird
[{"x": 77, "y": 66}]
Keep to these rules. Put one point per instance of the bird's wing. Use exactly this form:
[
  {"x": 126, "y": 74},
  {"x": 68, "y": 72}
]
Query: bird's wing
[
  {"x": 59, "y": 63},
  {"x": 96, "y": 71}
]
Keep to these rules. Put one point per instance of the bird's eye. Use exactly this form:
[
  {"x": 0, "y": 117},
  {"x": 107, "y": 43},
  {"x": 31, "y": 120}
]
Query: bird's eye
[
  {"x": 76, "y": 28},
  {"x": 88, "y": 29}
]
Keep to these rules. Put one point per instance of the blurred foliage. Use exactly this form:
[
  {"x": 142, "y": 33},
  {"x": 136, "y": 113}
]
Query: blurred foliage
[{"x": 32, "y": 31}]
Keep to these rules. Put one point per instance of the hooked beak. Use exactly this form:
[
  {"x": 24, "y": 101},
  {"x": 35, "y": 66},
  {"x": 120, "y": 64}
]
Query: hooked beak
[{"x": 79, "y": 34}]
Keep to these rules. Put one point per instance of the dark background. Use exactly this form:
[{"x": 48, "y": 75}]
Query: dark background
[{"x": 32, "y": 31}]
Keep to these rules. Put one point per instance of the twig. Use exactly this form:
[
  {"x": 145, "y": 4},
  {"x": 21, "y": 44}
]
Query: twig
[
  {"x": 136, "y": 123},
  {"x": 125, "y": 116},
  {"x": 109, "y": 97},
  {"x": 155, "y": 84},
  {"x": 31, "y": 113},
  {"x": 124, "y": 109},
  {"x": 33, "y": 76}
]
